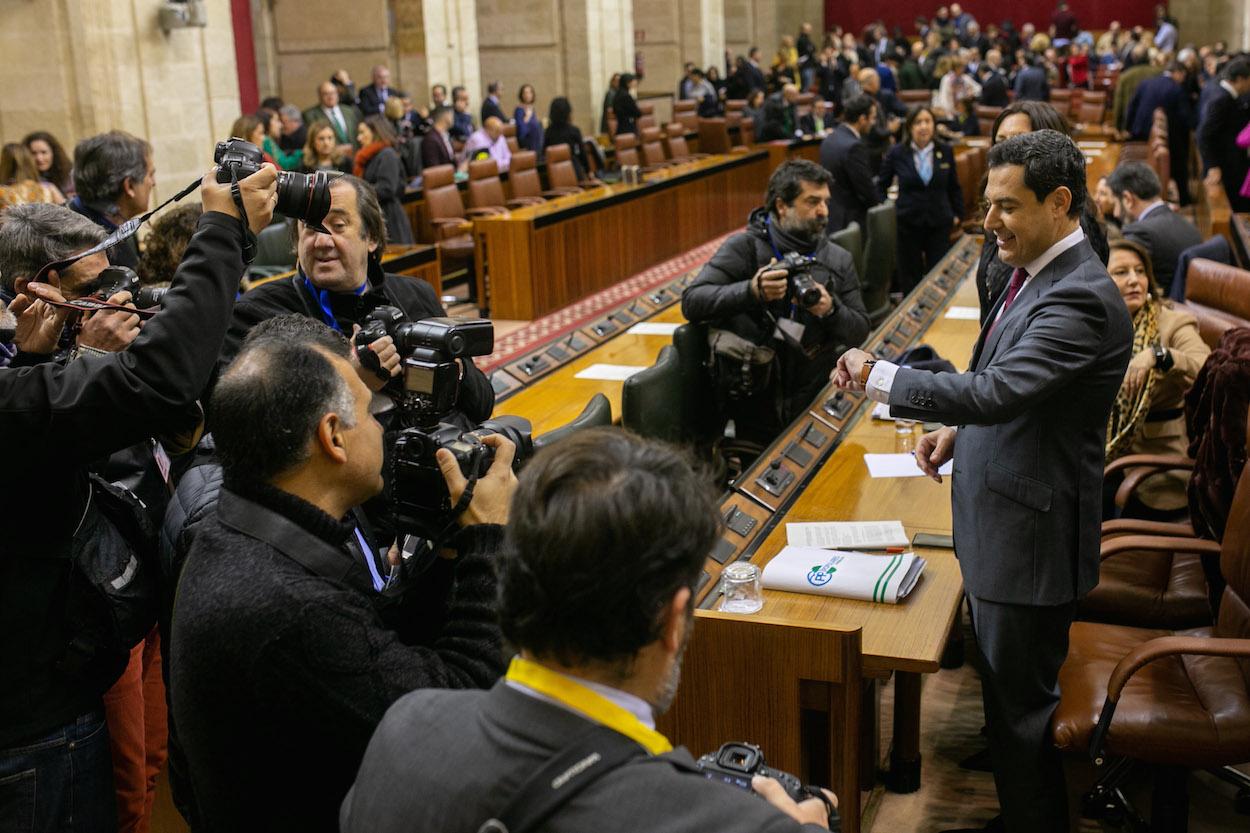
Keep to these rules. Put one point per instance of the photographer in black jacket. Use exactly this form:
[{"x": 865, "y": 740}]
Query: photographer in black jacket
[
  {"x": 57, "y": 651},
  {"x": 340, "y": 281},
  {"x": 742, "y": 291}
]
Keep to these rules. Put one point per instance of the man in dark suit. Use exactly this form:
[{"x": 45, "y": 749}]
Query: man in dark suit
[
  {"x": 754, "y": 73},
  {"x": 1031, "y": 81},
  {"x": 373, "y": 98},
  {"x": 436, "y": 147},
  {"x": 994, "y": 80},
  {"x": 595, "y": 595},
  {"x": 1166, "y": 91},
  {"x": 842, "y": 153},
  {"x": 344, "y": 118},
  {"x": 888, "y": 118},
  {"x": 1147, "y": 219},
  {"x": 490, "y": 107},
  {"x": 1026, "y": 428},
  {"x": 1226, "y": 115}
]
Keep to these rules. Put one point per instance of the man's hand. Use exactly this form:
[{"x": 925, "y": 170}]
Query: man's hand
[
  {"x": 388, "y": 358},
  {"x": 1138, "y": 372},
  {"x": 110, "y": 330},
  {"x": 1214, "y": 176},
  {"x": 769, "y": 284},
  {"x": 850, "y": 366},
  {"x": 493, "y": 492},
  {"x": 935, "y": 450},
  {"x": 259, "y": 192},
  {"x": 39, "y": 324},
  {"x": 343, "y": 78},
  {"x": 824, "y": 306},
  {"x": 810, "y": 811}
]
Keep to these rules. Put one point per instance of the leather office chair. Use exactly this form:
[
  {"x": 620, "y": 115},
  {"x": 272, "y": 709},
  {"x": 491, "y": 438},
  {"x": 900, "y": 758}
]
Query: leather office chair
[
  {"x": 561, "y": 174},
  {"x": 699, "y": 416},
  {"x": 598, "y": 412},
  {"x": 1060, "y": 98},
  {"x": 453, "y": 228},
  {"x": 651, "y": 399},
  {"x": 686, "y": 113},
  {"x": 275, "y": 251},
  {"x": 1090, "y": 113},
  {"x": 678, "y": 149},
  {"x": 880, "y": 252},
  {"x": 626, "y": 145},
  {"x": 733, "y": 105},
  {"x": 486, "y": 188},
  {"x": 653, "y": 155},
  {"x": 746, "y": 134},
  {"x": 1175, "y": 699},
  {"x": 1218, "y": 295},
  {"x": 647, "y": 119},
  {"x": 524, "y": 179},
  {"x": 911, "y": 97},
  {"x": 851, "y": 238},
  {"x": 713, "y": 136},
  {"x": 1214, "y": 248}
]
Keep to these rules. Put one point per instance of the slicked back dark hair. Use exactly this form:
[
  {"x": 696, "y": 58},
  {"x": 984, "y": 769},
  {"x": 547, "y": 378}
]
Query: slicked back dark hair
[
  {"x": 1050, "y": 160},
  {"x": 605, "y": 528},
  {"x": 786, "y": 183},
  {"x": 266, "y": 406},
  {"x": 1042, "y": 116},
  {"x": 856, "y": 107},
  {"x": 1138, "y": 178}
]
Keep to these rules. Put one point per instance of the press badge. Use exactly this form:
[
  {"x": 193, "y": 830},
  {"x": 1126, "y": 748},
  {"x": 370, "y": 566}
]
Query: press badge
[{"x": 789, "y": 330}]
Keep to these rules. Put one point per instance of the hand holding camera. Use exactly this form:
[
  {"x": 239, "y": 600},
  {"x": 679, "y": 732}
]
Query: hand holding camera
[
  {"x": 110, "y": 330},
  {"x": 492, "y": 494},
  {"x": 771, "y": 282},
  {"x": 258, "y": 189},
  {"x": 39, "y": 323},
  {"x": 807, "y": 811}
]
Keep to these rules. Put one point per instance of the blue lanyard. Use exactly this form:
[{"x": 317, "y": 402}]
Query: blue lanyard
[
  {"x": 378, "y": 581},
  {"x": 322, "y": 297}
]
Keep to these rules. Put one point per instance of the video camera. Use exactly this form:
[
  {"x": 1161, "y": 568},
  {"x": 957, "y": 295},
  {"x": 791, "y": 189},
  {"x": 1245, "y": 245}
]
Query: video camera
[
  {"x": 114, "y": 279},
  {"x": 425, "y": 393},
  {"x": 799, "y": 270},
  {"x": 736, "y": 764}
]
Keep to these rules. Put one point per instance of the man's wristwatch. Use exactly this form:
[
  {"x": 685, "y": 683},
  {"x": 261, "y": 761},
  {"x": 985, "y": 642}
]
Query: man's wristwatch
[
  {"x": 866, "y": 371},
  {"x": 1163, "y": 358}
]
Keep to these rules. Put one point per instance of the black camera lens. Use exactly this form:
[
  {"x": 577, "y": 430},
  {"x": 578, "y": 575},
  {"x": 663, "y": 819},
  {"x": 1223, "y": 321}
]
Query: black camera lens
[{"x": 305, "y": 197}]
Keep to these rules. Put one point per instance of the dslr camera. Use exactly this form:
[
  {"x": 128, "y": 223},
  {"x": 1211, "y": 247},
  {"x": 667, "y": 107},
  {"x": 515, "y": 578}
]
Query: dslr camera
[
  {"x": 303, "y": 197},
  {"x": 802, "y": 284},
  {"x": 425, "y": 393},
  {"x": 114, "y": 279},
  {"x": 736, "y": 763}
]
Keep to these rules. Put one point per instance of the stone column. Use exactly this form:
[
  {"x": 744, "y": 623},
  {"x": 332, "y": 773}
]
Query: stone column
[
  {"x": 436, "y": 42},
  {"x": 762, "y": 23},
  {"x": 672, "y": 33}
]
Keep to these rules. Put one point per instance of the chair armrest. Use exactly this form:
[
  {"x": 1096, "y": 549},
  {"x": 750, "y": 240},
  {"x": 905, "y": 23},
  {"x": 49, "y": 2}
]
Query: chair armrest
[
  {"x": 1157, "y": 543},
  {"x": 522, "y": 202},
  {"x": 1157, "y": 462},
  {"x": 1143, "y": 655},
  {"x": 487, "y": 211},
  {"x": 1134, "y": 526},
  {"x": 562, "y": 192},
  {"x": 450, "y": 227}
]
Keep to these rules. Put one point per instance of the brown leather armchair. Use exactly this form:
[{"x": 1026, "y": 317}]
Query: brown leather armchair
[
  {"x": 653, "y": 155},
  {"x": 626, "y": 145},
  {"x": 678, "y": 150},
  {"x": 713, "y": 135},
  {"x": 1177, "y": 699},
  {"x": 523, "y": 177},
  {"x": 453, "y": 226},
  {"x": 686, "y": 113},
  {"x": 486, "y": 188},
  {"x": 1218, "y": 295},
  {"x": 561, "y": 173}
]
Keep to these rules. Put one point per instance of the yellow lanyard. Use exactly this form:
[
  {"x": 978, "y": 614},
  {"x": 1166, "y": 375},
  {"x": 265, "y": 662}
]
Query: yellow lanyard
[{"x": 581, "y": 699}]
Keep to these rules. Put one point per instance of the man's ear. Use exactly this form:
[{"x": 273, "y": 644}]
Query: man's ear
[
  {"x": 674, "y": 629},
  {"x": 329, "y": 438},
  {"x": 1062, "y": 197},
  {"x": 128, "y": 187}
]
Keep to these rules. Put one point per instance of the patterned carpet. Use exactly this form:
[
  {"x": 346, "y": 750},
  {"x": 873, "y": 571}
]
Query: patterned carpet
[{"x": 583, "y": 312}]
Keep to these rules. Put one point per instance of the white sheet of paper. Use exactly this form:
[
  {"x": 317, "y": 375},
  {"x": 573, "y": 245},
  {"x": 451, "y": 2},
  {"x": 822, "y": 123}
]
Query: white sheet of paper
[
  {"x": 609, "y": 372},
  {"x": 897, "y": 465},
  {"x": 847, "y": 535},
  {"x": 653, "y": 328},
  {"x": 964, "y": 313}
]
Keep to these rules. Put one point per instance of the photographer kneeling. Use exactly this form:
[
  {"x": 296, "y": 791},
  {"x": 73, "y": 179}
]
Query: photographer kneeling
[
  {"x": 61, "y": 640},
  {"x": 782, "y": 301},
  {"x": 281, "y": 664},
  {"x": 606, "y": 539}
]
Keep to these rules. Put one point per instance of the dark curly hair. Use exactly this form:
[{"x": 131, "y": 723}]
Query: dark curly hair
[{"x": 164, "y": 246}]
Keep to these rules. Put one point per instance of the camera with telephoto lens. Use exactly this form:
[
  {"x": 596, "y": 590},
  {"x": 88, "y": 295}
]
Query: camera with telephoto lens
[
  {"x": 300, "y": 196},
  {"x": 425, "y": 394},
  {"x": 736, "y": 764},
  {"x": 799, "y": 269},
  {"x": 114, "y": 279}
]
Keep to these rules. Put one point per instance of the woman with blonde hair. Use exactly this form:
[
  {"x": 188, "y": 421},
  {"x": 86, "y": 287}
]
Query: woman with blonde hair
[
  {"x": 19, "y": 179},
  {"x": 321, "y": 151}
]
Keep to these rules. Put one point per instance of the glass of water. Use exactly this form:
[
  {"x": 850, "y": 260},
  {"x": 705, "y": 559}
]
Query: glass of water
[
  {"x": 740, "y": 585},
  {"x": 904, "y": 435}
]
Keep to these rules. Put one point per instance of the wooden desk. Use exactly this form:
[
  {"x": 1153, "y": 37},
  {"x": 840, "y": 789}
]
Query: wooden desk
[
  {"x": 781, "y": 150},
  {"x": 419, "y": 261},
  {"x": 541, "y": 258}
]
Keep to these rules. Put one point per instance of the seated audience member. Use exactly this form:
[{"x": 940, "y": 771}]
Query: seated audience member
[
  {"x": 562, "y": 131},
  {"x": 164, "y": 246},
  {"x": 339, "y": 279},
  {"x": 490, "y": 105},
  {"x": 773, "y": 126},
  {"x": 754, "y": 109},
  {"x": 378, "y": 163},
  {"x": 436, "y": 147},
  {"x": 529, "y": 128},
  {"x": 114, "y": 178},
  {"x": 1146, "y": 218},
  {"x": 844, "y": 156},
  {"x": 625, "y": 105},
  {"x": 930, "y": 202},
  {"x": 277, "y": 644},
  {"x": 271, "y": 123},
  {"x": 62, "y": 648},
  {"x": 462, "y": 123},
  {"x": 341, "y": 116},
  {"x": 373, "y": 98},
  {"x": 53, "y": 163},
  {"x": 488, "y": 142},
  {"x": 19, "y": 179},
  {"x": 294, "y": 131},
  {"x": 606, "y": 538},
  {"x": 1148, "y": 416},
  {"x": 743, "y": 292},
  {"x": 322, "y": 152}
]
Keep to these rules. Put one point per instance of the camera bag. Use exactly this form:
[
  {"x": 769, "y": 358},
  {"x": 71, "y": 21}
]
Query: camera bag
[{"x": 740, "y": 368}]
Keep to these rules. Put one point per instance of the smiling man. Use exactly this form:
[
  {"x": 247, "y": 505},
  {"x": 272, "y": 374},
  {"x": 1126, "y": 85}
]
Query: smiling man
[
  {"x": 1026, "y": 427},
  {"x": 340, "y": 280}
]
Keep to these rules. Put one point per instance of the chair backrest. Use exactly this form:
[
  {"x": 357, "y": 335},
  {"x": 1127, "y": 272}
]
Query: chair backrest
[
  {"x": 699, "y": 416},
  {"x": 509, "y": 129},
  {"x": 984, "y": 111},
  {"x": 651, "y": 399},
  {"x": 676, "y": 139},
  {"x": 734, "y": 104},
  {"x": 560, "y": 170},
  {"x": 1090, "y": 113},
  {"x": 713, "y": 136},
  {"x": 1234, "y": 616},
  {"x": 442, "y": 197},
  {"x": 1219, "y": 286},
  {"x": 485, "y": 186},
  {"x": 684, "y": 104},
  {"x": 1161, "y": 161},
  {"x": 1094, "y": 97},
  {"x": 626, "y": 145},
  {"x": 880, "y": 252},
  {"x": 851, "y": 238},
  {"x": 598, "y": 412},
  {"x": 652, "y": 147},
  {"x": 915, "y": 96},
  {"x": 746, "y": 131},
  {"x": 513, "y": 144},
  {"x": 275, "y": 247},
  {"x": 523, "y": 175}
]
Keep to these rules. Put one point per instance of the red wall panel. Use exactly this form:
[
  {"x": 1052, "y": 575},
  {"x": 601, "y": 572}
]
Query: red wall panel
[{"x": 1092, "y": 14}]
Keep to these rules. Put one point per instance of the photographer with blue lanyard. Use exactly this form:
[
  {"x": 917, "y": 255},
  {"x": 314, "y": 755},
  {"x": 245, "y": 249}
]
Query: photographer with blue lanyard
[{"x": 779, "y": 299}]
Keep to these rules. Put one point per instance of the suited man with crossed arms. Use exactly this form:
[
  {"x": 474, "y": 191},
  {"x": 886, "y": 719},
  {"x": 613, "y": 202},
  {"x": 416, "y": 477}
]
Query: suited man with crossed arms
[{"x": 1026, "y": 427}]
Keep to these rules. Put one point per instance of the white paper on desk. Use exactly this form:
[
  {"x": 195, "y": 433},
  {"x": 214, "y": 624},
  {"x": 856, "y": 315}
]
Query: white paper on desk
[
  {"x": 848, "y": 575},
  {"x": 609, "y": 372},
  {"x": 847, "y": 535},
  {"x": 897, "y": 465},
  {"x": 653, "y": 328},
  {"x": 964, "y": 313}
]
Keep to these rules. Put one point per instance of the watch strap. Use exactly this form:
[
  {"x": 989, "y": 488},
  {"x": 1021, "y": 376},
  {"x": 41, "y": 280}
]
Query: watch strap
[{"x": 866, "y": 371}]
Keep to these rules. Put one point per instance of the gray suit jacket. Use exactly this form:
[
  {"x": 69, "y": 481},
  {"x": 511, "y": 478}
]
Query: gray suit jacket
[
  {"x": 447, "y": 761},
  {"x": 1165, "y": 234},
  {"x": 1032, "y": 411}
]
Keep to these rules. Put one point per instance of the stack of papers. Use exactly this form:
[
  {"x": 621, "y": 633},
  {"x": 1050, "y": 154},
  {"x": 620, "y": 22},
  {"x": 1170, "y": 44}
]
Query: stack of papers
[
  {"x": 848, "y": 575},
  {"x": 847, "y": 535},
  {"x": 898, "y": 465}
]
